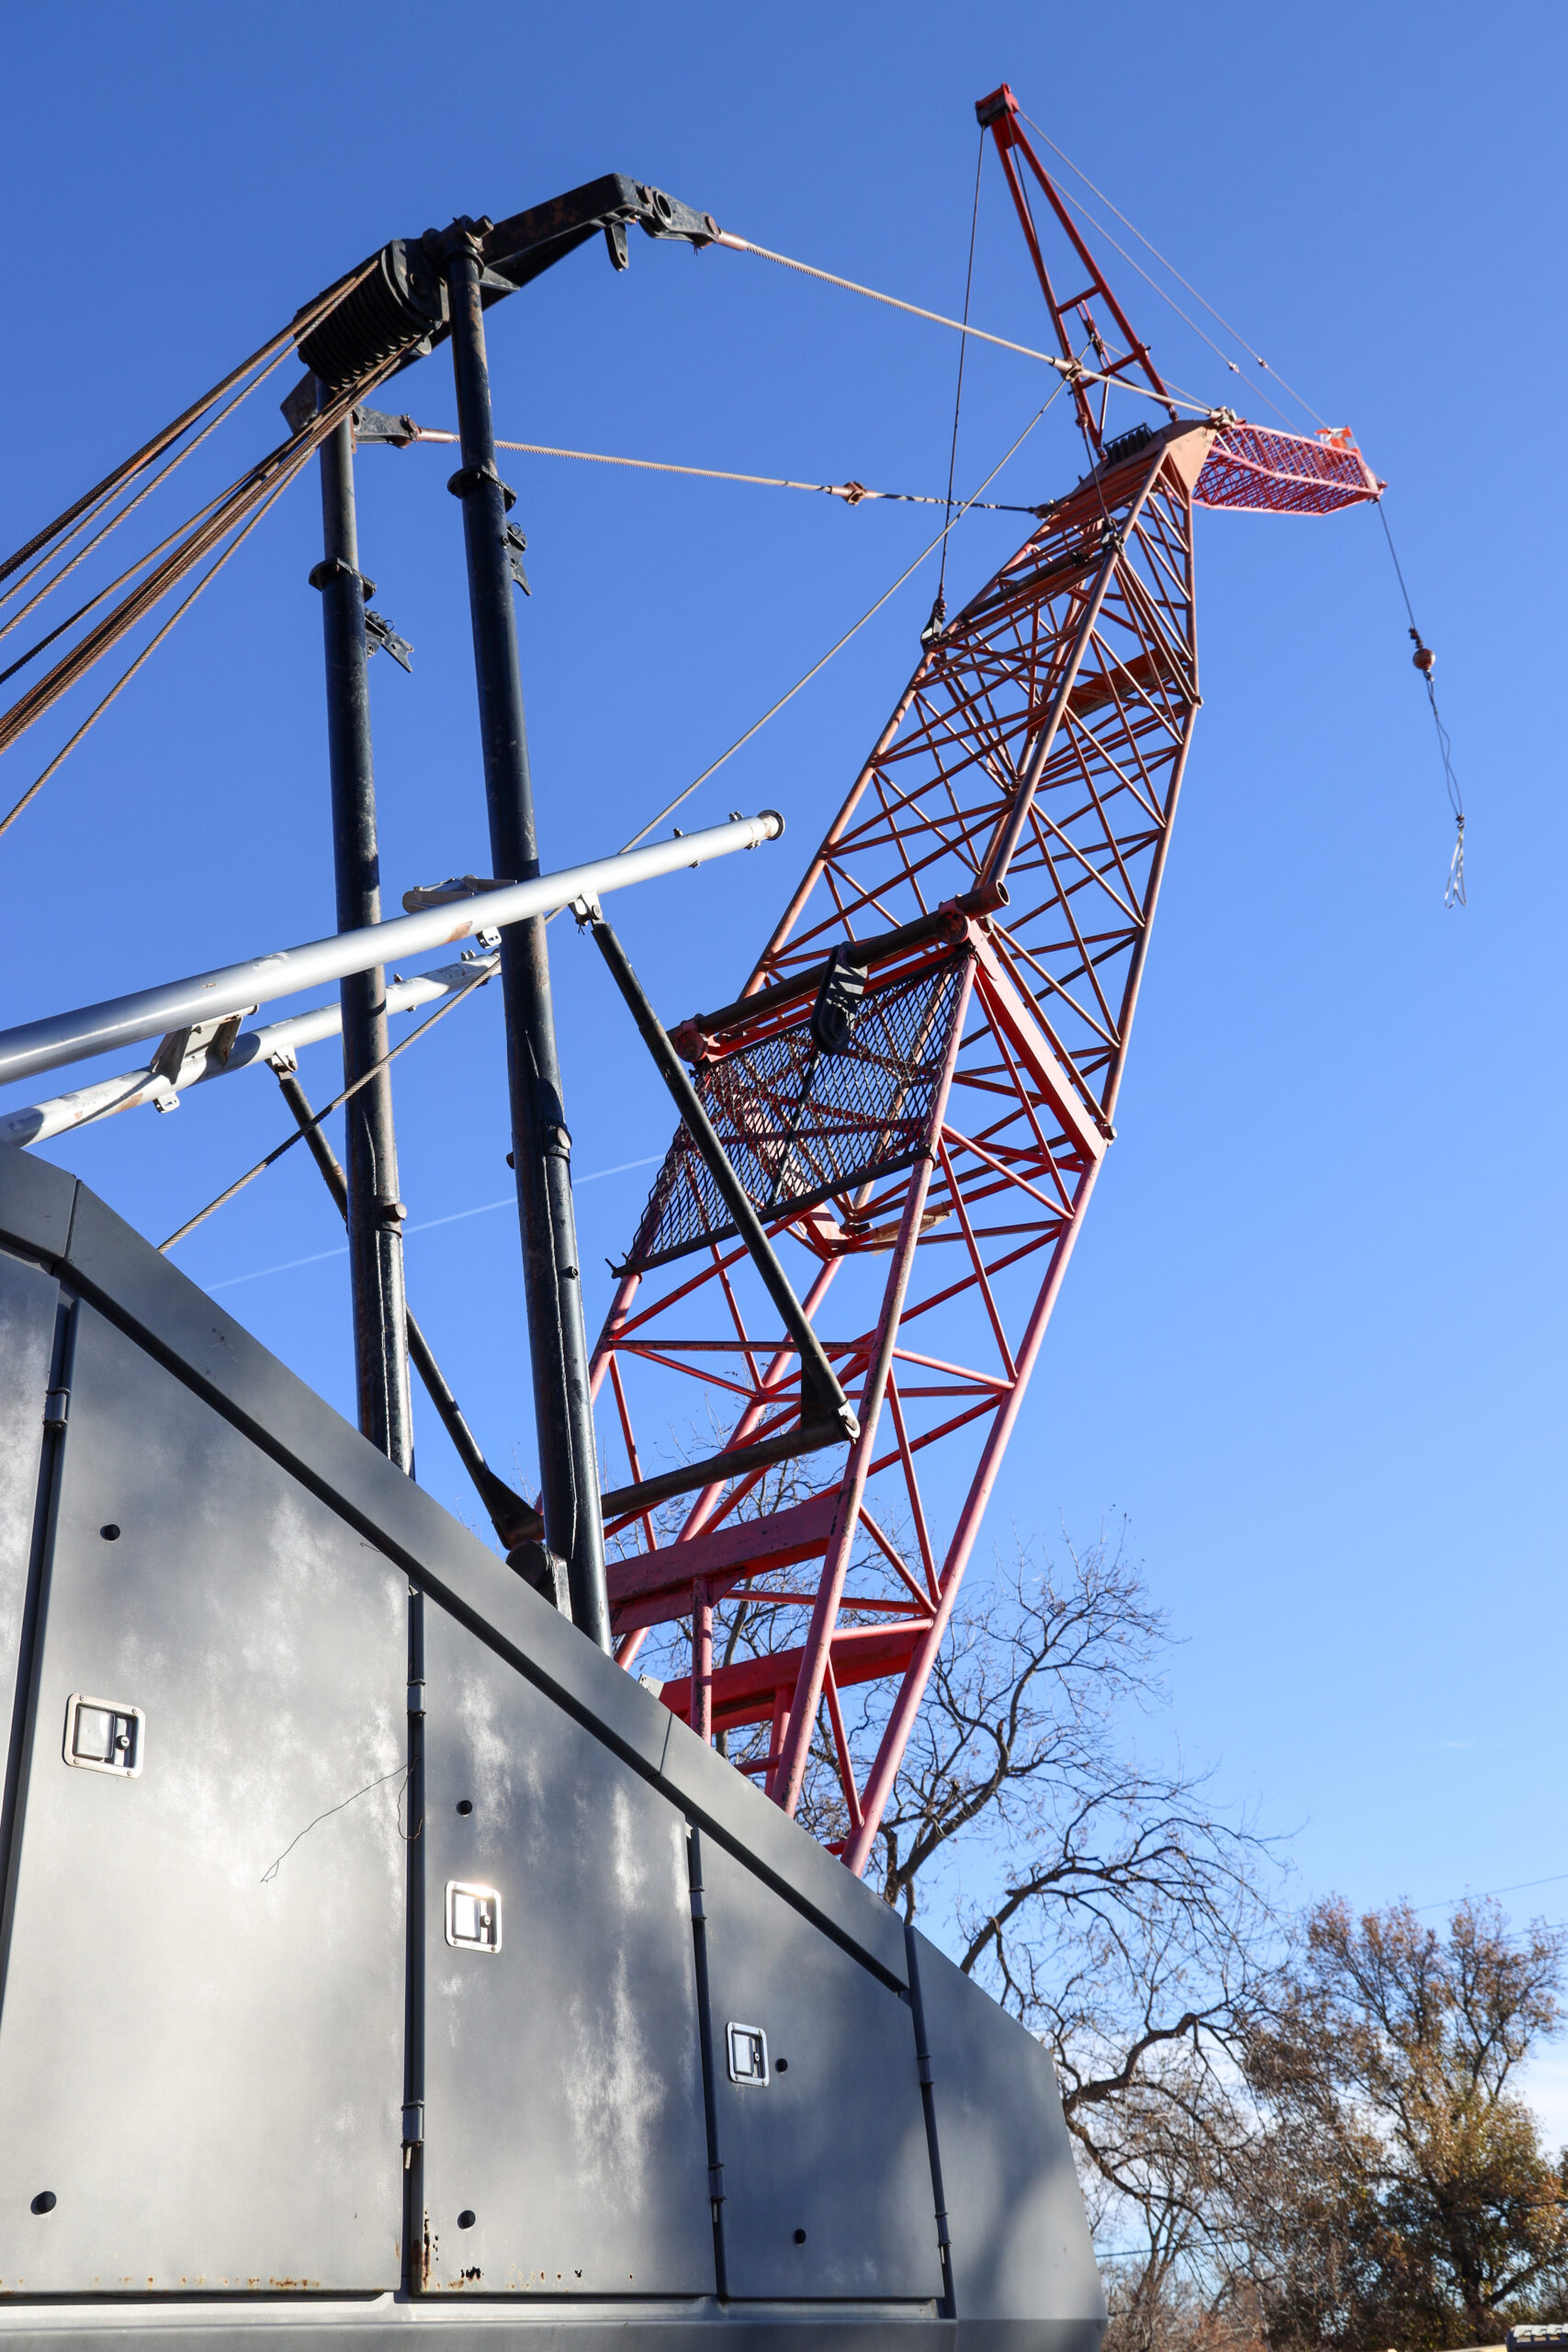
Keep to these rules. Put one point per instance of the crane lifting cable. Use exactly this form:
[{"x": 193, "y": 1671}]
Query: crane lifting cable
[{"x": 1426, "y": 662}]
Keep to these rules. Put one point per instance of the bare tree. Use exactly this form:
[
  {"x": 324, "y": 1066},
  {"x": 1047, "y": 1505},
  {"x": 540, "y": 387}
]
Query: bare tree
[{"x": 1098, "y": 1890}]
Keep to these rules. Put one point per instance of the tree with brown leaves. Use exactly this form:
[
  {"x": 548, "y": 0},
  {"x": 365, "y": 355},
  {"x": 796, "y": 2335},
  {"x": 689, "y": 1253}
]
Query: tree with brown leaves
[{"x": 1398, "y": 2193}]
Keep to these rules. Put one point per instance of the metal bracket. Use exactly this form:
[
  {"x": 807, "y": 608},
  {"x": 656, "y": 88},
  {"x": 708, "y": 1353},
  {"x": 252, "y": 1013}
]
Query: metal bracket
[
  {"x": 374, "y": 425},
  {"x": 378, "y": 632},
  {"x": 468, "y": 478},
  {"x": 445, "y": 894},
  {"x": 516, "y": 546},
  {"x": 332, "y": 567},
  {"x": 544, "y": 1570}
]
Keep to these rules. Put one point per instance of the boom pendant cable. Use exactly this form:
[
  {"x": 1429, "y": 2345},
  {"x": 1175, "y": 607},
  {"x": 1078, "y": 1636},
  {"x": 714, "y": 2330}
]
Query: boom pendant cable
[
  {"x": 1425, "y": 660},
  {"x": 670, "y": 807},
  {"x": 252, "y": 489},
  {"x": 1071, "y": 370},
  {"x": 72, "y": 520},
  {"x": 939, "y": 608},
  {"x": 113, "y": 524},
  {"x": 9, "y": 819},
  {"x": 854, "y": 493},
  {"x": 1257, "y": 357}
]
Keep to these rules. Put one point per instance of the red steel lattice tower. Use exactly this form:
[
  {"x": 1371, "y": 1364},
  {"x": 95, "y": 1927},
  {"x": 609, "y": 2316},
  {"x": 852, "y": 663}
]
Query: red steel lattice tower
[{"x": 993, "y": 875}]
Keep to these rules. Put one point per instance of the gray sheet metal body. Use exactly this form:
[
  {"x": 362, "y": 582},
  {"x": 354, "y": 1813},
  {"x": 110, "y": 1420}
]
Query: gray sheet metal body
[{"x": 201, "y": 2056}]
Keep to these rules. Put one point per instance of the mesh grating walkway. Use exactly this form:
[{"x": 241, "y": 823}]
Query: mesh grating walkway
[{"x": 799, "y": 1126}]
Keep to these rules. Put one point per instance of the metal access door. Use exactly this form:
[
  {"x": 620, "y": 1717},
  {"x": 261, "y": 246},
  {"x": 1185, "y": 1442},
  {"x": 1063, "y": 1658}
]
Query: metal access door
[
  {"x": 821, "y": 2133},
  {"x": 565, "y": 2147},
  {"x": 202, "y": 2007}
]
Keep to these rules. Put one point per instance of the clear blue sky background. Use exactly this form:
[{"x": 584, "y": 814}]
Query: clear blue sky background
[{"x": 1310, "y": 1343}]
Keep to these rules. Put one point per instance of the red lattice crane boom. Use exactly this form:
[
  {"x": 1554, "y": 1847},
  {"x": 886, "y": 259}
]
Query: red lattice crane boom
[{"x": 992, "y": 876}]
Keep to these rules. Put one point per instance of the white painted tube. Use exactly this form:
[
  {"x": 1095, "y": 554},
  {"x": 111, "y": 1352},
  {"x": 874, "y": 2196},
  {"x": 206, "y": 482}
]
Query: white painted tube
[
  {"x": 252, "y": 1049},
  {"x": 64, "y": 1037}
]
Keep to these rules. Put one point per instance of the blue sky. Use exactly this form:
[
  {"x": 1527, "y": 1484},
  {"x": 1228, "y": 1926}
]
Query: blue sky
[{"x": 1310, "y": 1342}]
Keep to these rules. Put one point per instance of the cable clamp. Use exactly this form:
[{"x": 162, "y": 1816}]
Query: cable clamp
[
  {"x": 468, "y": 478},
  {"x": 332, "y": 567}
]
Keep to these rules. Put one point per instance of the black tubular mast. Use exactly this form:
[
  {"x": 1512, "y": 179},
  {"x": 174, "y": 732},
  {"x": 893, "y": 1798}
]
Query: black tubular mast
[
  {"x": 414, "y": 295},
  {"x": 541, "y": 1144},
  {"x": 375, "y": 1212}
]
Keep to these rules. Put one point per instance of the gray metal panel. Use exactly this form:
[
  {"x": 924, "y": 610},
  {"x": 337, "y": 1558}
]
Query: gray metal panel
[
  {"x": 732, "y": 1807},
  {"x": 835, "y": 2145},
  {"x": 37, "y": 1203},
  {"x": 202, "y": 2062},
  {"x": 563, "y": 2074},
  {"x": 27, "y": 1304},
  {"x": 1020, "y": 2242},
  {"x": 113, "y": 1264}
]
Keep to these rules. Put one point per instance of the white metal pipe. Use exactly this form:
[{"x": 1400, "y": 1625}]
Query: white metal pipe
[
  {"x": 239, "y": 987},
  {"x": 252, "y": 1049}
]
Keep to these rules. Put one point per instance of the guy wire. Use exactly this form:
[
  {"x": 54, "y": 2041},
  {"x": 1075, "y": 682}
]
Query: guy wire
[{"x": 962, "y": 355}]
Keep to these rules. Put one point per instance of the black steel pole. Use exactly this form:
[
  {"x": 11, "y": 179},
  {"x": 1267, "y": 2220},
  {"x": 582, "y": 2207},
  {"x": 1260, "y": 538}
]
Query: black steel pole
[
  {"x": 375, "y": 1212},
  {"x": 541, "y": 1145},
  {"x": 516, "y": 1522},
  {"x": 821, "y": 1394}
]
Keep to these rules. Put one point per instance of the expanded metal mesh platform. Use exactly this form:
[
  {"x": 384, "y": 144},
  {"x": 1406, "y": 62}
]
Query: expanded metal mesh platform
[{"x": 800, "y": 1125}]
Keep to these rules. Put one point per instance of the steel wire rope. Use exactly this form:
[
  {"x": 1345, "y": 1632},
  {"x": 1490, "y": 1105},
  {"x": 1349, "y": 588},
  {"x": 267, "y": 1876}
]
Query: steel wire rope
[
  {"x": 1246, "y": 345},
  {"x": 1071, "y": 370},
  {"x": 296, "y": 460},
  {"x": 113, "y": 524},
  {"x": 119, "y": 581},
  {"x": 91, "y": 499},
  {"x": 278, "y": 467},
  {"x": 1425, "y": 660},
  {"x": 459, "y": 996},
  {"x": 854, "y": 493},
  {"x": 1102, "y": 231},
  {"x": 9, "y": 819},
  {"x": 670, "y": 807},
  {"x": 940, "y": 607}
]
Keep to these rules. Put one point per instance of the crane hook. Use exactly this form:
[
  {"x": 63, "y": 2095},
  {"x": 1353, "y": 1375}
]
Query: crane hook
[{"x": 1423, "y": 658}]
